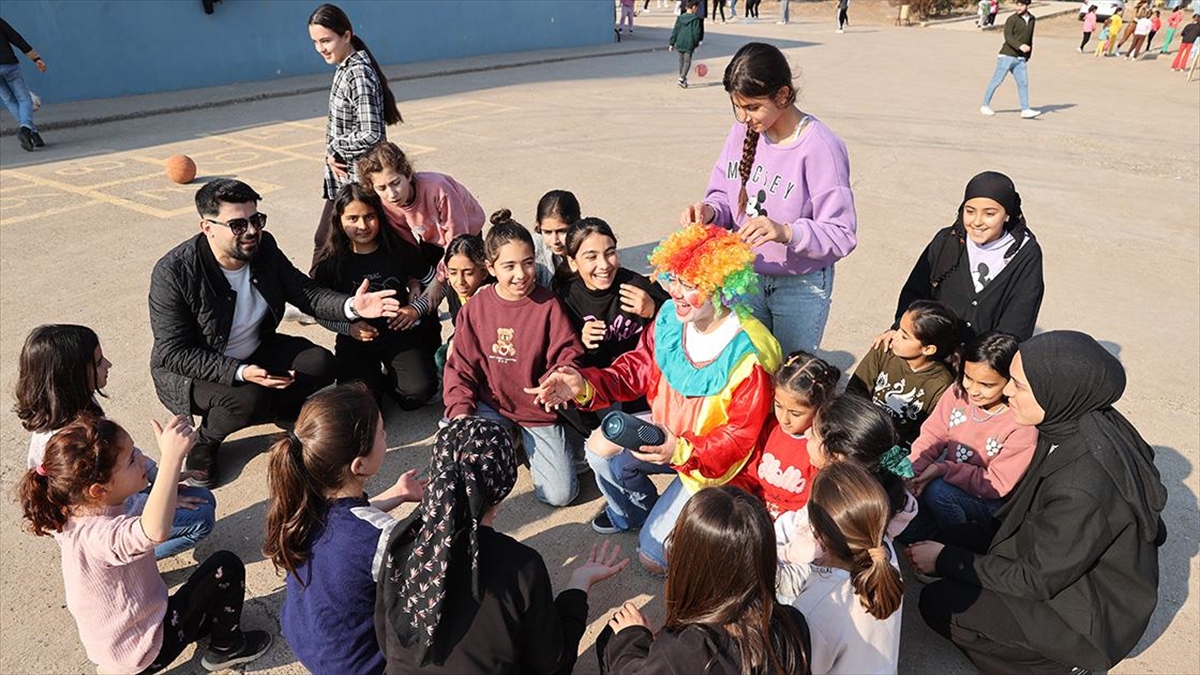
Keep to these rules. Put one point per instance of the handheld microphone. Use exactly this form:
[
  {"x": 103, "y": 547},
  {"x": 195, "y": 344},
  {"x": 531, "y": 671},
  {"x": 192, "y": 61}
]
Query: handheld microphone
[{"x": 631, "y": 432}]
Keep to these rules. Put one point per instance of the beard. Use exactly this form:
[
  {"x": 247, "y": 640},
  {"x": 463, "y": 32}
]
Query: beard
[{"x": 239, "y": 252}]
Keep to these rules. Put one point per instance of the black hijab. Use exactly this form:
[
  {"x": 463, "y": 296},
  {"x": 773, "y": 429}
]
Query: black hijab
[
  {"x": 473, "y": 468},
  {"x": 1076, "y": 381},
  {"x": 997, "y": 187}
]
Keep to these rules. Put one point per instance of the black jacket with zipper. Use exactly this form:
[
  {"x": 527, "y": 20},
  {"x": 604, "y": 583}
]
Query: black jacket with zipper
[{"x": 192, "y": 306}]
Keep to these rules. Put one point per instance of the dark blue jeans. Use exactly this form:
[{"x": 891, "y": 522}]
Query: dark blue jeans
[{"x": 943, "y": 505}]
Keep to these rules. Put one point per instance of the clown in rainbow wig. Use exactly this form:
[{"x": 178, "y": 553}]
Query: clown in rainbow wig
[{"x": 705, "y": 366}]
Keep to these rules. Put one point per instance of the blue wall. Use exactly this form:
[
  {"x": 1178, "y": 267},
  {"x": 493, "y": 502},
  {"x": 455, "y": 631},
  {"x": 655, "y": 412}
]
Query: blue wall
[{"x": 105, "y": 48}]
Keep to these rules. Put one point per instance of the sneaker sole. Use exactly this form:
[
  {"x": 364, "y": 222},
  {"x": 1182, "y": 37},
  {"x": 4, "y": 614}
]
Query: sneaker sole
[{"x": 212, "y": 667}]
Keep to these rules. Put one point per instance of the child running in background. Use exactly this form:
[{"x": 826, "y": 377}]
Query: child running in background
[
  {"x": 1187, "y": 40},
  {"x": 687, "y": 35},
  {"x": 1089, "y": 26},
  {"x": 971, "y": 452},
  {"x": 1105, "y": 36},
  {"x": 324, "y": 532},
  {"x": 722, "y": 616},
  {"x": 510, "y": 334},
  {"x": 362, "y": 250},
  {"x": 126, "y": 620},
  {"x": 1155, "y": 26},
  {"x": 557, "y": 210},
  {"x": 907, "y": 379},
  {"x": 466, "y": 273},
  {"x": 848, "y": 428},
  {"x": 62, "y": 370},
  {"x": 780, "y": 471},
  {"x": 852, "y": 594}
]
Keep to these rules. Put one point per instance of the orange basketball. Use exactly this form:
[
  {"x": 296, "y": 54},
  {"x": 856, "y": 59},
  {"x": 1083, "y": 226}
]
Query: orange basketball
[
  {"x": 181, "y": 169},
  {"x": 701, "y": 70}
]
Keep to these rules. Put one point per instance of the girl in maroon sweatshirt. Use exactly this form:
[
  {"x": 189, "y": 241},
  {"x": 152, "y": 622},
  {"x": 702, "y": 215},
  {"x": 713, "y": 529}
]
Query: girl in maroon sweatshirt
[{"x": 509, "y": 334}]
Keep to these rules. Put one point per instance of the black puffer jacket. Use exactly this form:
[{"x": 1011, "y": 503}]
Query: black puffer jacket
[{"x": 191, "y": 313}]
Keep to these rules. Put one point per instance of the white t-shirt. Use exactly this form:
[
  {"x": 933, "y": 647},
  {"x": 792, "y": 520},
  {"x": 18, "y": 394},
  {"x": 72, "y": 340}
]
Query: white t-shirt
[
  {"x": 248, "y": 314},
  {"x": 845, "y": 638},
  {"x": 702, "y": 347},
  {"x": 988, "y": 260},
  {"x": 1144, "y": 26}
]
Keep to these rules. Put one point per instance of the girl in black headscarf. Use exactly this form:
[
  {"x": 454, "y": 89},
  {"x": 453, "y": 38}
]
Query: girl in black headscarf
[
  {"x": 1068, "y": 575},
  {"x": 987, "y": 266},
  {"x": 456, "y": 596}
]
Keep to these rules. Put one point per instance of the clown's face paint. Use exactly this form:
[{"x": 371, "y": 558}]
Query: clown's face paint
[{"x": 691, "y": 305}]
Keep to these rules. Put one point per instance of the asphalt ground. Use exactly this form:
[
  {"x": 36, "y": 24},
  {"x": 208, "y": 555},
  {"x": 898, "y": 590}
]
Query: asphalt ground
[{"x": 1109, "y": 178}]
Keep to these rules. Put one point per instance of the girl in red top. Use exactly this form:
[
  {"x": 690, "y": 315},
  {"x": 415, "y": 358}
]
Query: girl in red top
[{"x": 779, "y": 470}]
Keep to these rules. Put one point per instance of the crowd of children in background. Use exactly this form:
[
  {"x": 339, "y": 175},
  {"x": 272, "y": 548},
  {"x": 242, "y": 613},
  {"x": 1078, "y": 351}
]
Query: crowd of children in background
[
  {"x": 779, "y": 535},
  {"x": 1141, "y": 23}
]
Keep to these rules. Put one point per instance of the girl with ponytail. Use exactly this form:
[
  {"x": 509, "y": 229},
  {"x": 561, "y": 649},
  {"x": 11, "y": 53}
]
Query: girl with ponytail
[
  {"x": 852, "y": 594},
  {"x": 126, "y": 620},
  {"x": 987, "y": 266},
  {"x": 360, "y": 103},
  {"x": 782, "y": 182},
  {"x": 324, "y": 533}
]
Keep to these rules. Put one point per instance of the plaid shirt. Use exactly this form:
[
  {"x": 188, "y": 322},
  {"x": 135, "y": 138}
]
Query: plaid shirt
[{"x": 355, "y": 115}]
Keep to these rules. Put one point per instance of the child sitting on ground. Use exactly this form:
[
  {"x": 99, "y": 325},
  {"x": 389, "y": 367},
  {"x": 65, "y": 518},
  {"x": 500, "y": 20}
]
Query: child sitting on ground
[
  {"x": 907, "y": 378},
  {"x": 126, "y": 620}
]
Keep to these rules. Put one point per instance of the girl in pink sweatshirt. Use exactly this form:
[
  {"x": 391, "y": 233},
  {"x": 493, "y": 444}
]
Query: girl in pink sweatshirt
[
  {"x": 126, "y": 620},
  {"x": 971, "y": 452},
  {"x": 782, "y": 181}
]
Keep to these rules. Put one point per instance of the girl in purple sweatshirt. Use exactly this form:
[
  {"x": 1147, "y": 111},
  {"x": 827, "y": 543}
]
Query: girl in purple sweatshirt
[{"x": 782, "y": 182}]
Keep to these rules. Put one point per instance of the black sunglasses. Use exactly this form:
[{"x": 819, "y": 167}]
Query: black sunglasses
[{"x": 238, "y": 226}]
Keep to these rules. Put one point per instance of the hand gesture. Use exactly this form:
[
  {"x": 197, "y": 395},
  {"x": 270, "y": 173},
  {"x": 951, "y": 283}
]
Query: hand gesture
[
  {"x": 636, "y": 301},
  {"x": 600, "y": 565},
  {"x": 761, "y": 229},
  {"x": 188, "y": 501},
  {"x": 175, "y": 441},
  {"x": 259, "y": 375},
  {"x": 374, "y": 305},
  {"x": 592, "y": 334},
  {"x": 408, "y": 488},
  {"x": 340, "y": 170},
  {"x": 362, "y": 331},
  {"x": 658, "y": 454},
  {"x": 697, "y": 213},
  {"x": 884, "y": 339},
  {"x": 406, "y": 318},
  {"x": 917, "y": 485},
  {"x": 923, "y": 555},
  {"x": 628, "y": 615},
  {"x": 558, "y": 389}
]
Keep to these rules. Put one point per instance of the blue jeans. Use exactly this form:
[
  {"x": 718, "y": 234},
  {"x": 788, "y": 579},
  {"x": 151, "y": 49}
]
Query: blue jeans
[
  {"x": 943, "y": 505},
  {"x": 794, "y": 307},
  {"x": 1019, "y": 69},
  {"x": 652, "y": 540},
  {"x": 16, "y": 96},
  {"x": 189, "y": 526},
  {"x": 783, "y": 9},
  {"x": 551, "y": 452},
  {"x": 624, "y": 480}
]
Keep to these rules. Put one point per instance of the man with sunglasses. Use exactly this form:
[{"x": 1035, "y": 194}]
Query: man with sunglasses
[{"x": 216, "y": 301}]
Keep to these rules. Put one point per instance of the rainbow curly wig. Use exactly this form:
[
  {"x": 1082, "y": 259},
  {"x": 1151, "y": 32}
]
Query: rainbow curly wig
[{"x": 713, "y": 259}]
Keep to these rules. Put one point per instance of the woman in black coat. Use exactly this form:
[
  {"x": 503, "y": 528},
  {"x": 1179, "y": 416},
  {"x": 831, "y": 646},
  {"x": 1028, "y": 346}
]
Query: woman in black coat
[
  {"x": 987, "y": 266},
  {"x": 1068, "y": 575}
]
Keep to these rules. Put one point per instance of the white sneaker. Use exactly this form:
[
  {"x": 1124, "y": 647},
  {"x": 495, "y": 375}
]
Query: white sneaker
[
  {"x": 840, "y": 31},
  {"x": 986, "y": 110},
  {"x": 1030, "y": 113}
]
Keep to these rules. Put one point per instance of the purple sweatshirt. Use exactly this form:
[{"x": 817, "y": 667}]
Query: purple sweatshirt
[{"x": 805, "y": 184}]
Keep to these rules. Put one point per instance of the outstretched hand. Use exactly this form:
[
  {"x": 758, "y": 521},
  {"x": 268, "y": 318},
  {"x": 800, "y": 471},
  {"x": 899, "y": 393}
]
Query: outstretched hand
[
  {"x": 175, "y": 440},
  {"x": 601, "y": 564},
  {"x": 559, "y": 388},
  {"x": 374, "y": 305}
]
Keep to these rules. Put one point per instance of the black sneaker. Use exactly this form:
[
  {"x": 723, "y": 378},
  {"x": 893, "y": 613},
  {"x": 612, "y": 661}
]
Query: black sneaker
[
  {"x": 255, "y": 643},
  {"x": 37, "y": 140},
  {"x": 204, "y": 457},
  {"x": 25, "y": 136},
  {"x": 602, "y": 524}
]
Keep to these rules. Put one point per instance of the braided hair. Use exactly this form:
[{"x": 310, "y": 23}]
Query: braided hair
[{"x": 758, "y": 70}]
